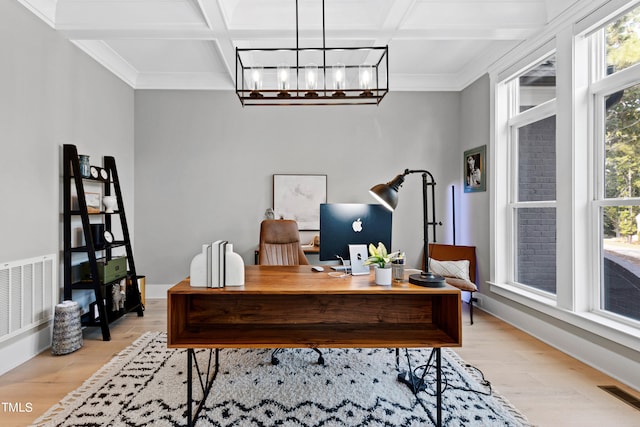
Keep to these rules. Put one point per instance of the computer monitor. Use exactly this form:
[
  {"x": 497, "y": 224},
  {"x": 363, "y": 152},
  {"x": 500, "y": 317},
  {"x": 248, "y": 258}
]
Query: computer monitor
[{"x": 344, "y": 224}]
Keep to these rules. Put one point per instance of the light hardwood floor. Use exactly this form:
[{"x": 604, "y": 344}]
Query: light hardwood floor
[{"x": 547, "y": 386}]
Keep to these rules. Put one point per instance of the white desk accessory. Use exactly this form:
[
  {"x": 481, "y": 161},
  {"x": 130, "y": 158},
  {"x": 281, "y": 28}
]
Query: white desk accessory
[
  {"x": 217, "y": 266},
  {"x": 358, "y": 255}
]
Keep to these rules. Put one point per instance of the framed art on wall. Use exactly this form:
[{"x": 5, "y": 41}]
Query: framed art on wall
[
  {"x": 474, "y": 167},
  {"x": 298, "y": 197},
  {"x": 93, "y": 202}
]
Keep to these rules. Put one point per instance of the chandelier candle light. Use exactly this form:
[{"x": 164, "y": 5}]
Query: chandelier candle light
[
  {"x": 312, "y": 76},
  {"x": 283, "y": 81}
]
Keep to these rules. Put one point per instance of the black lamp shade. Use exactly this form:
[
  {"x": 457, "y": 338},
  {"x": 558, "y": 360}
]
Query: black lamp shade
[{"x": 386, "y": 195}]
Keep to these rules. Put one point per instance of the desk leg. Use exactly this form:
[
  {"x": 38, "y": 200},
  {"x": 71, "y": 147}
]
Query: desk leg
[
  {"x": 417, "y": 384},
  {"x": 189, "y": 386},
  {"x": 438, "y": 387},
  {"x": 205, "y": 385}
]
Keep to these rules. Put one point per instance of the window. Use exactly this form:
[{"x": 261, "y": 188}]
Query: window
[
  {"x": 615, "y": 93},
  {"x": 565, "y": 187},
  {"x": 621, "y": 48},
  {"x": 537, "y": 85},
  {"x": 532, "y": 177}
]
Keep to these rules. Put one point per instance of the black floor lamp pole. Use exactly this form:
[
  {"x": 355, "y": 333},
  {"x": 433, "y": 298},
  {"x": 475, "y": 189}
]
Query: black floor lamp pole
[
  {"x": 425, "y": 222},
  {"x": 427, "y": 278}
]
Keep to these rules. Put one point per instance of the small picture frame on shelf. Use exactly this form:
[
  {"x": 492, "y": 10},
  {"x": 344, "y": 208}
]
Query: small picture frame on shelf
[{"x": 93, "y": 202}]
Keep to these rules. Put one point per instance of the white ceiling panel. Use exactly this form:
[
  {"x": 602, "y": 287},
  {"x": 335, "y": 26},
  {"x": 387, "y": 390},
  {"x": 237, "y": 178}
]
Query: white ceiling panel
[
  {"x": 433, "y": 56},
  {"x": 190, "y": 44},
  {"x": 279, "y": 14},
  {"x": 476, "y": 14},
  {"x": 127, "y": 13},
  {"x": 169, "y": 56}
]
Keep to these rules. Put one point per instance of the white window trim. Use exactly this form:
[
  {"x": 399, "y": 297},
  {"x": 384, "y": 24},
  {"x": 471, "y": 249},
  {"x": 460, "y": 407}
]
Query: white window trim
[
  {"x": 605, "y": 326},
  {"x": 535, "y": 114},
  {"x": 619, "y": 80}
]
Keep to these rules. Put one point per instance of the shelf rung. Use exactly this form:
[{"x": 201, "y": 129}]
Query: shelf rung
[
  {"x": 116, "y": 244},
  {"x": 77, "y": 212}
]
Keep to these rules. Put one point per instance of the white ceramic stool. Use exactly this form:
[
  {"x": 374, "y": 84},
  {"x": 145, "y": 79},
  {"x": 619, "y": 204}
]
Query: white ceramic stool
[{"x": 67, "y": 329}]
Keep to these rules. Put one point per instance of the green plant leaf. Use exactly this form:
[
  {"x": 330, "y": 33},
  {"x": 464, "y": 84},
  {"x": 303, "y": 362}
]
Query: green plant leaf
[
  {"x": 372, "y": 250},
  {"x": 382, "y": 251}
]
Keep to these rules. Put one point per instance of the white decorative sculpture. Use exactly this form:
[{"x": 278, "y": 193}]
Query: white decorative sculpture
[
  {"x": 234, "y": 268},
  {"x": 217, "y": 266},
  {"x": 110, "y": 202},
  {"x": 199, "y": 266}
]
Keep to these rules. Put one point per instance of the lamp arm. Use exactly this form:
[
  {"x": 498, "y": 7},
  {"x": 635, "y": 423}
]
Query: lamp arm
[{"x": 410, "y": 171}]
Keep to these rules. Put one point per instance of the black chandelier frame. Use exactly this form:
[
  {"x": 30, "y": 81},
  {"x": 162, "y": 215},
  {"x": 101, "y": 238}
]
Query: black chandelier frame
[{"x": 323, "y": 95}]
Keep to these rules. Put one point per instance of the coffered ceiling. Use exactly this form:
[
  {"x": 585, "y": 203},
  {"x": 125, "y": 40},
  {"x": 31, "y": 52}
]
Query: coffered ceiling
[{"x": 190, "y": 44}]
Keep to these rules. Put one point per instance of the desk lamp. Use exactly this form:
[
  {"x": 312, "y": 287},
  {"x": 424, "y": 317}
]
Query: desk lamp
[{"x": 387, "y": 195}]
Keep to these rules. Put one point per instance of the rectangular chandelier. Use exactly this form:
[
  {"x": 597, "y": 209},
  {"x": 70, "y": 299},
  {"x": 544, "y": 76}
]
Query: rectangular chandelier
[
  {"x": 308, "y": 76},
  {"x": 312, "y": 76}
]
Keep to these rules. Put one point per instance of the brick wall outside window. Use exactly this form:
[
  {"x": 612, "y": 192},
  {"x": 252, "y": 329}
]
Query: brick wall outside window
[{"x": 536, "y": 251}]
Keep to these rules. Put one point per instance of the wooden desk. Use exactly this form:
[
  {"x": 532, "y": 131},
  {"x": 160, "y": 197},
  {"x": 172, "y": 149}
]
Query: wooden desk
[{"x": 295, "y": 307}]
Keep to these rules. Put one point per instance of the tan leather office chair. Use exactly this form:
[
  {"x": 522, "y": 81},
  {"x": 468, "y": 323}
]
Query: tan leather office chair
[
  {"x": 456, "y": 253},
  {"x": 280, "y": 245}
]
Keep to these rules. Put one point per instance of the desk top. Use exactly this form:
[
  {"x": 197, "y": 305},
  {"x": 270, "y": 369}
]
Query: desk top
[{"x": 260, "y": 279}]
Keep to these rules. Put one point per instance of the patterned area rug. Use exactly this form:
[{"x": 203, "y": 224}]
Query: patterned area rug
[{"x": 145, "y": 384}]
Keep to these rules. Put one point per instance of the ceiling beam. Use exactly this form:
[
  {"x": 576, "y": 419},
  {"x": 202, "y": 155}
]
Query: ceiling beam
[
  {"x": 381, "y": 37},
  {"x": 212, "y": 12}
]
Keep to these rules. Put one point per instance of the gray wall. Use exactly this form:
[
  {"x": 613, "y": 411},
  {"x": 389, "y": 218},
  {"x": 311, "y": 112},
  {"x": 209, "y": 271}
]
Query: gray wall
[
  {"x": 50, "y": 94},
  {"x": 204, "y": 167},
  {"x": 473, "y": 215}
]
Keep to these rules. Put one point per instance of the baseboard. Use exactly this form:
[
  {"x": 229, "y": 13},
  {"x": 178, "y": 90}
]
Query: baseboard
[
  {"x": 558, "y": 335},
  {"x": 157, "y": 291},
  {"x": 17, "y": 350}
]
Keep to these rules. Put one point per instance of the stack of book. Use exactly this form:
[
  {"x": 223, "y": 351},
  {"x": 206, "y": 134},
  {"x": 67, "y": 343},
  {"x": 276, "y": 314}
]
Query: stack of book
[{"x": 217, "y": 266}]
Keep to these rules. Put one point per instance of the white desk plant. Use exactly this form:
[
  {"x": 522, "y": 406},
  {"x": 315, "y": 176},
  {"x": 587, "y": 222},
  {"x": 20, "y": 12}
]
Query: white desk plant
[{"x": 381, "y": 260}]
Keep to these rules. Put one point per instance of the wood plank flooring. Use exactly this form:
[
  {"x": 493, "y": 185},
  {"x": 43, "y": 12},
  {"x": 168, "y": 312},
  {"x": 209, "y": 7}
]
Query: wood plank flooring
[{"x": 549, "y": 387}]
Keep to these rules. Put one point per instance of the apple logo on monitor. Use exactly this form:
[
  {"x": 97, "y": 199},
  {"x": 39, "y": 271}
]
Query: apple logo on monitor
[{"x": 357, "y": 225}]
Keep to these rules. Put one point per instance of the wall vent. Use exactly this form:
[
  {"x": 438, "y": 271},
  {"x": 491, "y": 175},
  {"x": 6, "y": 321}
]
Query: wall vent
[
  {"x": 622, "y": 395},
  {"x": 28, "y": 294}
]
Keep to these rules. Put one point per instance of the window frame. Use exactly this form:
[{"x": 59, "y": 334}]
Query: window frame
[
  {"x": 601, "y": 86},
  {"x": 514, "y": 122}
]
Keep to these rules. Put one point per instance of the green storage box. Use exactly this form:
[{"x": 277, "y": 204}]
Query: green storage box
[{"x": 108, "y": 271}]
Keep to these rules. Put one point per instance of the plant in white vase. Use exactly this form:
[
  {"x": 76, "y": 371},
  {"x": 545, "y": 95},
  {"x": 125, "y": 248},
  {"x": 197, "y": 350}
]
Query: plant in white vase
[{"x": 380, "y": 258}]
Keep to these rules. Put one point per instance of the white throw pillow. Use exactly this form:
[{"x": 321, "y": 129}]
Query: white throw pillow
[{"x": 457, "y": 269}]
